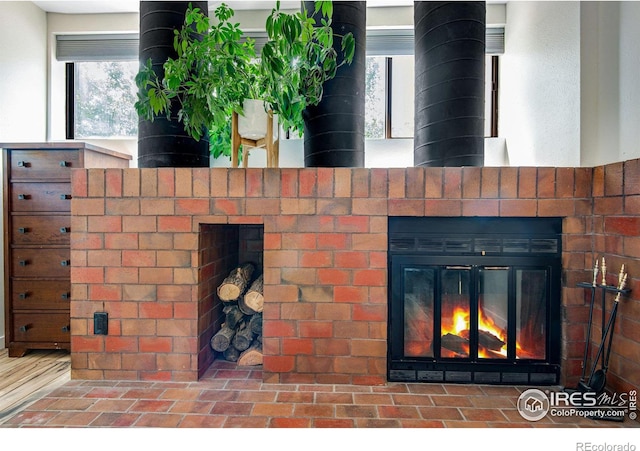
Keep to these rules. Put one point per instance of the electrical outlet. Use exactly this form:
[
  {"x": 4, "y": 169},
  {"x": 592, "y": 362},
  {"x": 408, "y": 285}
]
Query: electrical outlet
[{"x": 100, "y": 323}]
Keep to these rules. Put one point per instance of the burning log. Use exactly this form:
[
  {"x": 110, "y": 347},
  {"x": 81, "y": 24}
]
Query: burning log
[
  {"x": 235, "y": 283},
  {"x": 489, "y": 354},
  {"x": 455, "y": 344},
  {"x": 485, "y": 339},
  {"x": 252, "y": 356},
  {"x": 489, "y": 341}
]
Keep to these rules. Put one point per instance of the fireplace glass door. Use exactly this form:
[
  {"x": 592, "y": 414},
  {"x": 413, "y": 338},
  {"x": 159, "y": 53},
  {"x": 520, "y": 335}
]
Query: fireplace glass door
[
  {"x": 474, "y": 300},
  {"x": 505, "y": 317}
]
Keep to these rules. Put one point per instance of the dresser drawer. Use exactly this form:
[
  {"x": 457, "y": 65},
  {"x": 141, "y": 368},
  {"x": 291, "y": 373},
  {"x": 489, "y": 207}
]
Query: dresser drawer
[
  {"x": 40, "y": 230},
  {"x": 40, "y": 294},
  {"x": 36, "y": 327},
  {"x": 40, "y": 263},
  {"x": 31, "y": 197},
  {"x": 30, "y": 164}
]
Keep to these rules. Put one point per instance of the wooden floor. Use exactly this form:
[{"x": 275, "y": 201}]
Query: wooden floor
[{"x": 24, "y": 380}]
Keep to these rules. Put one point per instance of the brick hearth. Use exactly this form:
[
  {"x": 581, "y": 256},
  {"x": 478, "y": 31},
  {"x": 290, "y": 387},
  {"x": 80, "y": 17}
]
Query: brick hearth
[{"x": 146, "y": 248}]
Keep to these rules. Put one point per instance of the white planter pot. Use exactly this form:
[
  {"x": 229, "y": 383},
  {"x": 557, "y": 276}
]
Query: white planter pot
[{"x": 253, "y": 123}]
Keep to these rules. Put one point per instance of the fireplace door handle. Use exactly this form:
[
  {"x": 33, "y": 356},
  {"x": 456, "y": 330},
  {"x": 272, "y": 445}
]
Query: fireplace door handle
[
  {"x": 496, "y": 267},
  {"x": 467, "y": 268}
]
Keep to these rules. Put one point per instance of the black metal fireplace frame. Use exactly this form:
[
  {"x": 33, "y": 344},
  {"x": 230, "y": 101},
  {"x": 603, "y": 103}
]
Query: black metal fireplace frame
[{"x": 474, "y": 242}]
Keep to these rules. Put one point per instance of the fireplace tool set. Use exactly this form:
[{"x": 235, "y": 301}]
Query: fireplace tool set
[{"x": 596, "y": 381}]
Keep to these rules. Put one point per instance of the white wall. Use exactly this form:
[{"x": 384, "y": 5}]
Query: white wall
[
  {"x": 23, "y": 86},
  {"x": 23, "y": 72},
  {"x": 629, "y": 82},
  {"x": 610, "y": 110},
  {"x": 540, "y": 84}
]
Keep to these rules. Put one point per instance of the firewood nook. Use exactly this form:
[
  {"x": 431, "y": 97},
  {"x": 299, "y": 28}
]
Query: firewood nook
[{"x": 240, "y": 338}]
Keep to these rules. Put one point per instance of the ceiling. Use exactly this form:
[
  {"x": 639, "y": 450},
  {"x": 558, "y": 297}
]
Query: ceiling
[{"x": 130, "y": 6}]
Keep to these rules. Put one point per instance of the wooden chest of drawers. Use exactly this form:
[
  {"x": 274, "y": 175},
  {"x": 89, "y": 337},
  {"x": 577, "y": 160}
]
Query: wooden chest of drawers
[{"x": 37, "y": 224}]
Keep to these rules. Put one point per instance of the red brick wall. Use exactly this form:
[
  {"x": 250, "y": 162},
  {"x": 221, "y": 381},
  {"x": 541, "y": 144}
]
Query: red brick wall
[
  {"x": 616, "y": 236},
  {"x": 135, "y": 246}
]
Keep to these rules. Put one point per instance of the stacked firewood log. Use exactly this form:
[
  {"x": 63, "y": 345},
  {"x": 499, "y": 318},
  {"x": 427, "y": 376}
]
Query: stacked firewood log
[{"x": 240, "y": 337}]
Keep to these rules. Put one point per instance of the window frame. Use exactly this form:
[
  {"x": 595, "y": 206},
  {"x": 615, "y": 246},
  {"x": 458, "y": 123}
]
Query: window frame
[
  {"x": 387, "y": 43},
  {"x": 70, "y": 100},
  {"x": 493, "y": 98},
  {"x": 72, "y": 76}
]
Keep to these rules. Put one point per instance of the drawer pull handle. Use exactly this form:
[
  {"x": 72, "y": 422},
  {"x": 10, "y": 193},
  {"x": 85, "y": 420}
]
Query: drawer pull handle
[
  {"x": 23, "y": 295},
  {"x": 64, "y": 164},
  {"x": 65, "y": 262},
  {"x": 23, "y": 164},
  {"x": 65, "y": 295},
  {"x": 65, "y": 196},
  {"x": 66, "y": 328},
  {"x": 24, "y": 262},
  {"x": 25, "y": 328},
  {"x": 23, "y": 230},
  {"x": 64, "y": 229},
  {"x": 23, "y": 196}
]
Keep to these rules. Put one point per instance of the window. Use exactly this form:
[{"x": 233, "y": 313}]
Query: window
[
  {"x": 100, "y": 84},
  {"x": 101, "y": 90},
  {"x": 375, "y": 98},
  {"x": 101, "y": 98},
  {"x": 389, "y": 102}
]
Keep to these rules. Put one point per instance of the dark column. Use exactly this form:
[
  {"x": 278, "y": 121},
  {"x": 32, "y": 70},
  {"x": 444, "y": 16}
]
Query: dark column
[
  {"x": 449, "y": 83},
  {"x": 164, "y": 143},
  {"x": 334, "y": 129}
]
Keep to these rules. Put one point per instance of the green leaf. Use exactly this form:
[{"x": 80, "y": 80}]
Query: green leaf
[
  {"x": 327, "y": 9},
  {"x": 348, "y": 47}
]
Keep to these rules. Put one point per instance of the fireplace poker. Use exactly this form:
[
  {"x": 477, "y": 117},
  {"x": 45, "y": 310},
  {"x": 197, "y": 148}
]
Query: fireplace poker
[
  {"x": 582, "y": 385},
  {"x": 598, "y": 379}
]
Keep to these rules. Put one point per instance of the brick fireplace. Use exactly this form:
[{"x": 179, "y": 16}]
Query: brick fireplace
[{"x": 148, "y": 246}]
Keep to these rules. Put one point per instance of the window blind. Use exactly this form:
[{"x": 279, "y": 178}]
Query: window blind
[
  {"x": 97, "y": 47},
  {"x": 121, "y": 47}
]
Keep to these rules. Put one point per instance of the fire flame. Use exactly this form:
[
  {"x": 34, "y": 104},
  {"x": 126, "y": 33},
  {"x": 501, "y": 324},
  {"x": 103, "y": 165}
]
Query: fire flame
[
  {"x": 460, "y": 320},
  {"x": 460, "y": 324}
]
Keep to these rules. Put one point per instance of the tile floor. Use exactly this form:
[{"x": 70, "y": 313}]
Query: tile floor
[{"x": 228, "y": 397}]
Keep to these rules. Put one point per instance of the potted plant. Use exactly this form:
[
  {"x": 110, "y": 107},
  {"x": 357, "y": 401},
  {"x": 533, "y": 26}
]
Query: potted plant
[{"x": 217, "y": 69}]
